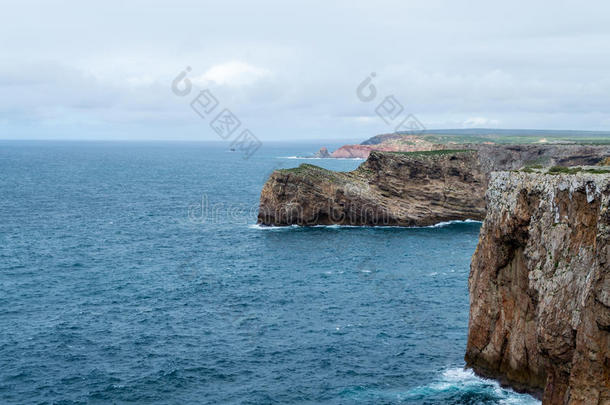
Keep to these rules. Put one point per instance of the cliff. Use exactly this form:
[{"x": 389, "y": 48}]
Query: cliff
[
  {"x": 540, "y": 285},
  {"x": 406, "y": 189},
  {"x": 513, "y": 157},
  {"x": 468, "y": 139},
  {"x": 388, "y": 189},
  {"x": 499, "y": 157},
  {"x": 392, "y": 143}
]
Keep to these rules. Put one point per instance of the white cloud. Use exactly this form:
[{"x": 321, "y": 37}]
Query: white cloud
[
  {"x": 365, "y": 119},
  {"x": 233, "y": 73},
  {"x": 480, "y": 122},
  {"x": 451, "y": 65}
]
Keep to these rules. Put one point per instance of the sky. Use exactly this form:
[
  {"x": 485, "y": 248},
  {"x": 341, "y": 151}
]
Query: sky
[{"x": 290, "y": 70}]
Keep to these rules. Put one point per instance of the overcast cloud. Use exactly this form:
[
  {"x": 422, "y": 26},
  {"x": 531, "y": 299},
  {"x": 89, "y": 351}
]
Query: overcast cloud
[{"x": 289, "y": 70}]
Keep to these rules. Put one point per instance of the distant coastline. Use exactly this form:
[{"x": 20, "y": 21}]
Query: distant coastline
[{"x": 452, "y": 138}]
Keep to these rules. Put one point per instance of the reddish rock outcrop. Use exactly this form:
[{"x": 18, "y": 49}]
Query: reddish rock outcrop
[
  {"x": 540, "y": 286},
  {"x": 363, "y": 151}
]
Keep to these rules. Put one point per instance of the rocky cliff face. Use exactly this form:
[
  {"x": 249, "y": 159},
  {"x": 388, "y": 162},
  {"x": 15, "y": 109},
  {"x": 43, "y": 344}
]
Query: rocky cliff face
[
  {"x": 512, "y": 157},
  {"x": 388, "y": 189},
  {"x": 540, "y": 286},
  {"x": 494, "y": 156},
  {"x": 389, "y": 144},
  {"x": 406, "y": 189},
  {"x": 523, "y": 146}
]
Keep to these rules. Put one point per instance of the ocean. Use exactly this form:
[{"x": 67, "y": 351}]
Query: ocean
[{"x": 133, "y": 272}]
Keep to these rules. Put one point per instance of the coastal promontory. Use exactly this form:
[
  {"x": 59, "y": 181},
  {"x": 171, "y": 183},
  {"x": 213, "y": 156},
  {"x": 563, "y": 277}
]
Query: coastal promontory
[
  {"x": 390, "y": 188},
  {"x": 406, "y": 188}
]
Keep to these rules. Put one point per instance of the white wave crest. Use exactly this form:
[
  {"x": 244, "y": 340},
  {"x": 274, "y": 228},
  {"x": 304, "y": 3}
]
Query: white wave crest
[
  {"x": 447, "y": 223},
  {"x": 462, "y": 379},
  {"x": 337, "y": 226},
  {"x": 452, "y": 384}
]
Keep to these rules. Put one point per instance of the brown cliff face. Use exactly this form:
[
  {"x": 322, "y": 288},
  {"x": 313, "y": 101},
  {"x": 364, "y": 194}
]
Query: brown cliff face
[
  {"x": 540, "y": 286},
  {"x": 513, "y": 157},
  {"x": 505, "y": 155},
  {"x": 405, "y": 189},
  {"x": 388, "y": 189}
]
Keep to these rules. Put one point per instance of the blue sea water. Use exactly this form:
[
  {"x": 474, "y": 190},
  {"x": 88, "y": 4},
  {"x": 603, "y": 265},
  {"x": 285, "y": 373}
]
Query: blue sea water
[{"x": 134, "y": 273}]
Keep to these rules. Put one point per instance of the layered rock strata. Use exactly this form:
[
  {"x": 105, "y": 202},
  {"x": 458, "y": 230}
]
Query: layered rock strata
[
  {"x": 396, "y": 189},
  {"x": 406, "y": 189}
]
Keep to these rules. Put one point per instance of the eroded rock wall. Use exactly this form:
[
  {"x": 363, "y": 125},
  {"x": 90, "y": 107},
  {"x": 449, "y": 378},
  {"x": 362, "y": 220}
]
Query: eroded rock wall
[
  {"x": 388, "y": 189},
  {"x": 406, "y": 189},
  {"x": 540, "y": 287},
  {"x": 512, "y": 157}
]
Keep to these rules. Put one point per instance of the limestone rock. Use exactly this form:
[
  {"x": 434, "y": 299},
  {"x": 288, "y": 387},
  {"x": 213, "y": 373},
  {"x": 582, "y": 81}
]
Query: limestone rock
[
  {"x": 540, "y": 286},
  {"x": 404, "y": 188},
  {"x": 322, "y": 153},
  {"x": 388, "y": 189}
]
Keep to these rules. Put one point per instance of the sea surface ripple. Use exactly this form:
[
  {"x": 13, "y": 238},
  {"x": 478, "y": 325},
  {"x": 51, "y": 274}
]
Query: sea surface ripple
[{"x": 131, "y": 273}]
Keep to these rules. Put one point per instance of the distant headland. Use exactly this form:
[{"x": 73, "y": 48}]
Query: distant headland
[{"x": 450, "y": 138}]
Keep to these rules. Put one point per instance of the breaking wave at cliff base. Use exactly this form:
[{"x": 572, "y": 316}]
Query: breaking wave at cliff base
[
  {"x": 115, "y": 295},
  {"x": 453, "y": 386}
]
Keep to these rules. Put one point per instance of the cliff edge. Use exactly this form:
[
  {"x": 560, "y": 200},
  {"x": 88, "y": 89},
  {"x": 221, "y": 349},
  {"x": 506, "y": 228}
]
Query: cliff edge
[
  {"x": 540, "y": 285},
  {"x": 406, "y": 188},
  {"x": 397, "y": 189}
]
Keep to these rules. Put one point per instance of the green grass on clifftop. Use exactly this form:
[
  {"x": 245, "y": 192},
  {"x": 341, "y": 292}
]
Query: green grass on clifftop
[
  {"x": 564, "y": 170},
  {"x": 494, "y": 136},
  {"x": 313, "y": 171},
  {"x": 574, "y": 170},
  {"x": 433, "y": 152},
  {"x": 519, "y": 138},
  {"x": 304, "y": 168}
]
